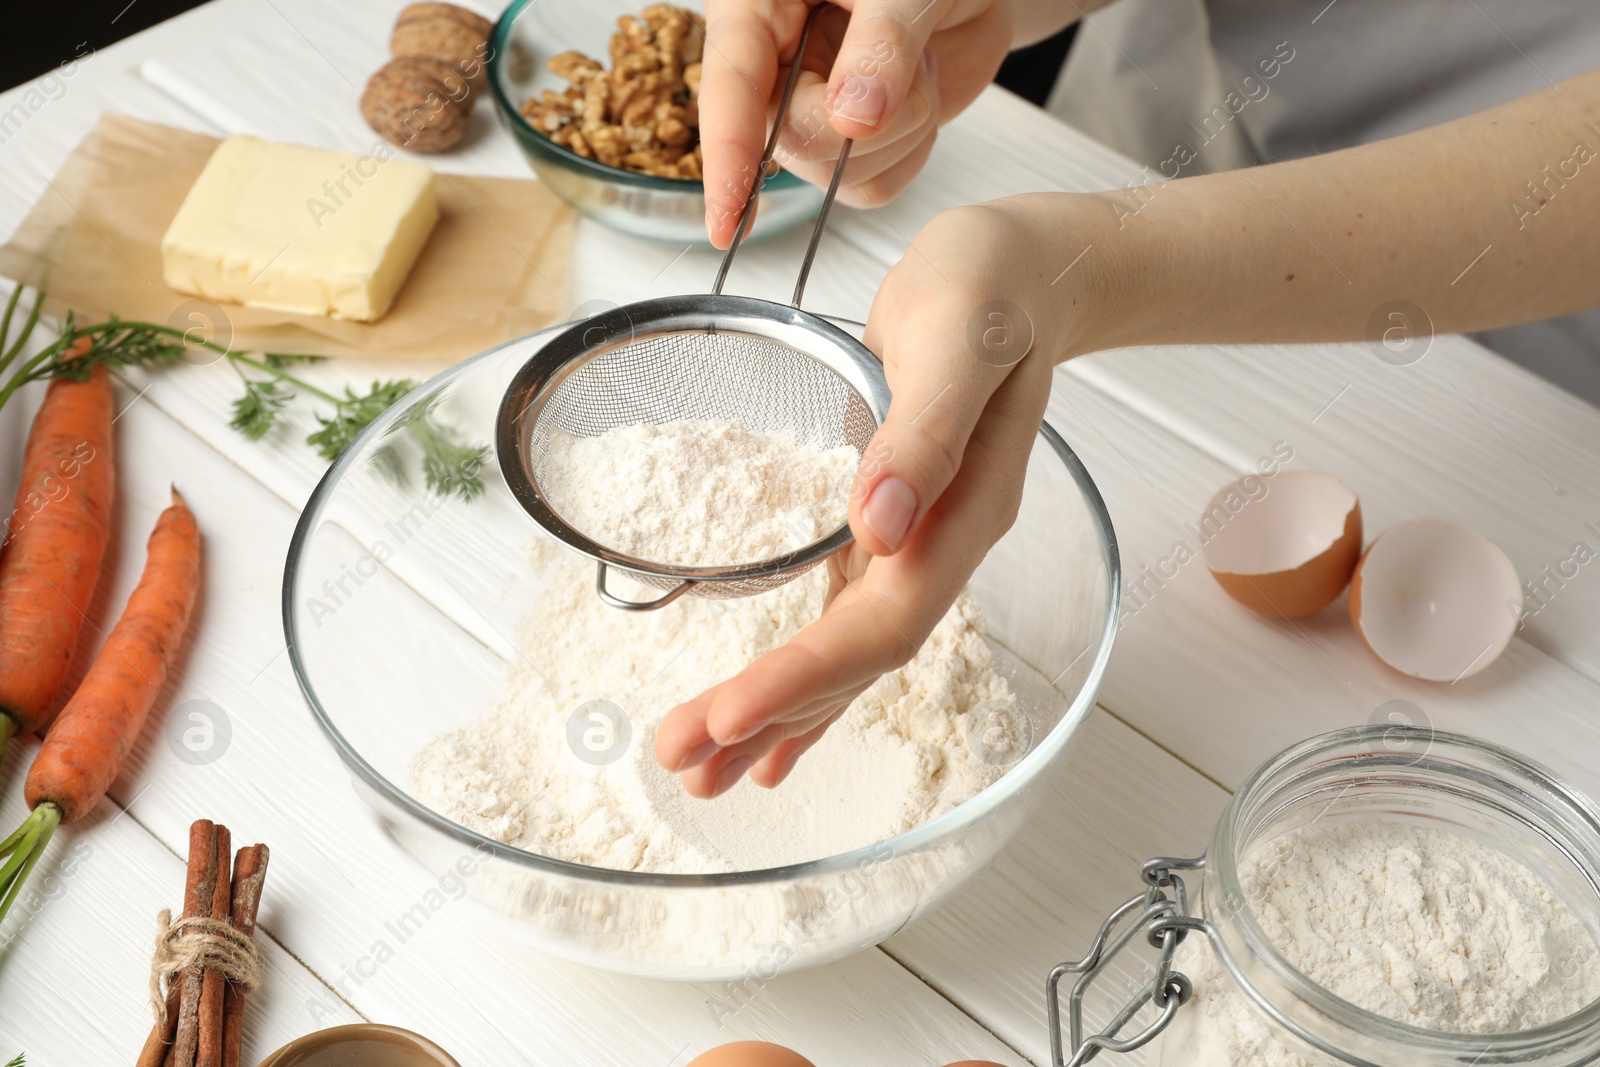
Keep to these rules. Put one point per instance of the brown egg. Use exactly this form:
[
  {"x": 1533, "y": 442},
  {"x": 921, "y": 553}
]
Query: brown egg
[
  {"x": 750, "y": 1054},
  {"x": 1435, "y": 599},
  {"x": 1284, "y": 546}
]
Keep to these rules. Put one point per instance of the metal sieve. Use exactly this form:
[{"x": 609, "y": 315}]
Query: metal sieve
[{"x": 767, "y": 366}]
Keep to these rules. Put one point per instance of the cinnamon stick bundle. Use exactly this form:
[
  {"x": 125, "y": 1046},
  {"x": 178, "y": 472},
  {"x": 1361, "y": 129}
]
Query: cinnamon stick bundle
[{"x": 204, "y": 1017}]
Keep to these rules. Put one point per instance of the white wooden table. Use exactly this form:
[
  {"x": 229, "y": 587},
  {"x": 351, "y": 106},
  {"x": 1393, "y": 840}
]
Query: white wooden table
[{"x": 1198, "y": 693}]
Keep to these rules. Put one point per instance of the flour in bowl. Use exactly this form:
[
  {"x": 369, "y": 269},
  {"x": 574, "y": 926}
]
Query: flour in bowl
[
  {"x": 704, "y": 493},
  {"x": 897, "y": 758},
  {"x": 1419, "y": 925}
]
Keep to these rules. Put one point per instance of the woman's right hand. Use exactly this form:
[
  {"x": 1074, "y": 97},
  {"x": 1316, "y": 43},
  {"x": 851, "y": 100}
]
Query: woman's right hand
[
  {"x": 886, "y": 73},
  {"x": 970, "y": 325}
]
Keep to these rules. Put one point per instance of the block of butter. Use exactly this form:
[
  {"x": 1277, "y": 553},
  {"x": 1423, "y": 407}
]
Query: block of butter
[{"x": 300, "y": 229}]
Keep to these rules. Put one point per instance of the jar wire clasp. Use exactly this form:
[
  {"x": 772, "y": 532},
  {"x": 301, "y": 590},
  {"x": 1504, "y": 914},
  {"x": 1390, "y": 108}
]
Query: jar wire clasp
[{"x": 1161, "y": 912}]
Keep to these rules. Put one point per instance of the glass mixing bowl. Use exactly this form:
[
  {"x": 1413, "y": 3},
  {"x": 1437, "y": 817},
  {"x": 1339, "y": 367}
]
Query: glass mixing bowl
[
  {"x": 400, "y": 609},
  {"x": 527, "y": 34}
]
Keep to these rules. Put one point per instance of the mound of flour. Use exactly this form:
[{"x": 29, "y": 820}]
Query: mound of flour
[
  {"x": 897, "y": 757},
  {"x": 1422, "y": 926},
  {"x": 699, "y": 493}
]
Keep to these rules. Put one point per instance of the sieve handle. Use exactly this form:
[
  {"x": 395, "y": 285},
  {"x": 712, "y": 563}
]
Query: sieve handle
[
  {"x": 822, "y": 220},
  {"x": 748, "y": 214},
  {"x": 635, "y": 605}
]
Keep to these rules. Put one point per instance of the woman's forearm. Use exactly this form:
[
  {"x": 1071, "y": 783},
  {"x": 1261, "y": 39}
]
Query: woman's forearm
[{"x": 1487, "y": 221}]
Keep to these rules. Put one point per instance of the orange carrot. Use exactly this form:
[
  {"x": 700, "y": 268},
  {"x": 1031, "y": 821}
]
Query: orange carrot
[
  {"x": 84, "y": 750},
  {"x": 56, "y": 538},
  {"x": 85, "y": 747}
]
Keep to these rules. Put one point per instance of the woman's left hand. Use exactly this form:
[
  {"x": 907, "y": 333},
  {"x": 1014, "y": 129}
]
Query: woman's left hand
[{"x": 887, "y": 73}]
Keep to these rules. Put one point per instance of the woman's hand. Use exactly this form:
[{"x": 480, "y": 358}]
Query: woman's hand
[
  {"x": 1229, "y": 258},
  {"x": 969, "y": 327},
  {"x": 887, "y": 73}
]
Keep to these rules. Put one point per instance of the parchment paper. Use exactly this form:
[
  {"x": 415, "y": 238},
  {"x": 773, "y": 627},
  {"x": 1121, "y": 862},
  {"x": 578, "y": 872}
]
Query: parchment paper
[{"x": 494, "y": 268}]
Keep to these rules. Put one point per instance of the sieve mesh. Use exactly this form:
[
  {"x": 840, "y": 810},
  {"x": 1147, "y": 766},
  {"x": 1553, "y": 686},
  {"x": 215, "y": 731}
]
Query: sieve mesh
[
  {"x": 759, "y": 383},
  {"x": 680, "y": 377}
]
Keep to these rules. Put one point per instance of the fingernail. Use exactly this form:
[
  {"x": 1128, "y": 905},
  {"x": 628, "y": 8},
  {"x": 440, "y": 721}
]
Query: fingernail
[
  {"x": 889, "y": 511},
  {"x": 697, "y": 755},
  {"x": 930, "y": 59},
  {"x": 731, "y": 772},
  {"x": 861, "y": 98}
]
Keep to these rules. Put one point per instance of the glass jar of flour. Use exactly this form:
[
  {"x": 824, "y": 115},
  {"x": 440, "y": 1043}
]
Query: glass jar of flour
[{"x": 1386, "y": 896}]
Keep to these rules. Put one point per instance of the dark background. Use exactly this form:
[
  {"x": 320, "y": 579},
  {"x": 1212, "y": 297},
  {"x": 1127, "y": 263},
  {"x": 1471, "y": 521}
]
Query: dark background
[
  {"x": 33, "y": 45},
  {"x": 29, "y": 52}
]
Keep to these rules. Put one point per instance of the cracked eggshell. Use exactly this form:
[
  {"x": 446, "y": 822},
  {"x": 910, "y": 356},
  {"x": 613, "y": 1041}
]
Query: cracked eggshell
[
  {"x": 1435, "y": 599},
  {"x": 1284, "y": 546}
]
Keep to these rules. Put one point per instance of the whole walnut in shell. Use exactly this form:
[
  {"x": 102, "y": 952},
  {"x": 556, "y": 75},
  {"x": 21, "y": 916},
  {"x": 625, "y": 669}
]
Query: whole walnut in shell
[
  {"x": 444, "y": 31},
  {"x": 421, "y": 104}
]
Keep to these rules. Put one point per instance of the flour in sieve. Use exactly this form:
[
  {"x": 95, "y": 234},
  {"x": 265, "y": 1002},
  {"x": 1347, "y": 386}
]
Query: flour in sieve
[
  {"x": 1419, "y": 925},
  {"x": 704, "y": 493}
]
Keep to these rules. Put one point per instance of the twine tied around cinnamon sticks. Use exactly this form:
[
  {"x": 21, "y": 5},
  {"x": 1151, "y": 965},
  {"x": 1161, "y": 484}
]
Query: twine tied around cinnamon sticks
[
  {"x": 199, "y": 942},
  {"x": 205, "y": 962}
]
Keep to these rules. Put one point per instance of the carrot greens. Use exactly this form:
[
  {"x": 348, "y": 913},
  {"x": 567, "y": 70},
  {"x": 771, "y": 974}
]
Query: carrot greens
[
  {"x": 20, "y": 852},
  {"x": 449, "y": 466}
]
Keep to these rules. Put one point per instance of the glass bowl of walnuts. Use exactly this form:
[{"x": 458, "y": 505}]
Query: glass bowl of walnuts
[{"x": 602, "y": 98}]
